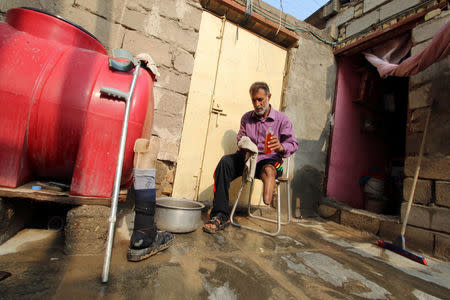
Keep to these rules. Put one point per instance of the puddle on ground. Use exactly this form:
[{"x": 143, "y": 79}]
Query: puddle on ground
[
  {"x": 436, "y": 272},
  {"x": 223, "y": 292},
  {"x": 324, "y": 267},
  {"x": 25, "y": 237},
  {"x": 219, "y": 238},
  {"x": 288, "y": 238},
  {"x": 423, "y": 296}
]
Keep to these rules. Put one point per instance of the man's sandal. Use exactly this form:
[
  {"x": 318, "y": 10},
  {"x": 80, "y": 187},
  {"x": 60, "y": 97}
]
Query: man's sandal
[{"x": 220, "y": 225}]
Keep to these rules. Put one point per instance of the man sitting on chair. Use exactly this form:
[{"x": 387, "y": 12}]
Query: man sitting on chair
[{"x": 254, "y": 124}]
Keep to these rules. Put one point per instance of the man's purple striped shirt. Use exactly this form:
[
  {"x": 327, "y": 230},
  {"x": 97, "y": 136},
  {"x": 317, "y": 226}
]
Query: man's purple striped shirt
[{"x": 256, "y": 129}]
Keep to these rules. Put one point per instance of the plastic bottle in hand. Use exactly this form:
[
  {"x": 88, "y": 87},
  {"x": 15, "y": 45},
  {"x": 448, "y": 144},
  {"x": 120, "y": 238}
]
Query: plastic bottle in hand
[{"x": 269, "y": 135}]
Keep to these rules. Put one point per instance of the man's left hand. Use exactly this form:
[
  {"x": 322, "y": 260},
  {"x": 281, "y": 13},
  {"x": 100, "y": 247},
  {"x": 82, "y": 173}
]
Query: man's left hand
[{"x": 275, "y": 145}]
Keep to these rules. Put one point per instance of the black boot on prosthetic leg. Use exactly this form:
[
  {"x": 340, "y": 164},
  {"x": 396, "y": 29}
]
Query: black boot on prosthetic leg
[{"x": 146, "y": 240}]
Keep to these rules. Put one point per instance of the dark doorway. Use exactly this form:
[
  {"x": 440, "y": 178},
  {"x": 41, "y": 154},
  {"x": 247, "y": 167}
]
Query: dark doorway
[{"x": 368, "y": 145}]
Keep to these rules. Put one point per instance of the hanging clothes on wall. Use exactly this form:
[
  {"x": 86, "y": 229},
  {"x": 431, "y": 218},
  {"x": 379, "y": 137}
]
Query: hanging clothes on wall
[{"x": 387, "y": 56}]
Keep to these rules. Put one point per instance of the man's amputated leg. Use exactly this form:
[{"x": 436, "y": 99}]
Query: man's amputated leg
[{"x": 268, "y": 174}]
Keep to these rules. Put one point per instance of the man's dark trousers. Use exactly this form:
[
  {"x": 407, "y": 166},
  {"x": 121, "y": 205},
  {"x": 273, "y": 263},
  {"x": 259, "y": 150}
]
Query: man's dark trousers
[{"x": 229, "y": 168}]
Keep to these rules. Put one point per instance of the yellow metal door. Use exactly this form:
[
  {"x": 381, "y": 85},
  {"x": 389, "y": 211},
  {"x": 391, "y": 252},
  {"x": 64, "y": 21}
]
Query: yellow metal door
[{"x": 228, "y": 60}]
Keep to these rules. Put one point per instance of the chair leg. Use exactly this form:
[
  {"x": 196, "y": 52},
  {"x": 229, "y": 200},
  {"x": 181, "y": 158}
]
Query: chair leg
[
  {"x": 250, "y": 197},
  {"x": 278, "y": 211},
  {"x": 233, "y": 211},
  {"x": 235, "y": 205},
  {"x": 289, "y": 203}
]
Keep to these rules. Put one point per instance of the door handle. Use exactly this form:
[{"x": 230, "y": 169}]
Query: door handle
[{"x": 218, "y": 110}]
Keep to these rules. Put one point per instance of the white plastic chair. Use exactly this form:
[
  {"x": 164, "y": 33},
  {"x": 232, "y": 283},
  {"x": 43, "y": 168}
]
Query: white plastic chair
[{"x": 278, "y": 221}]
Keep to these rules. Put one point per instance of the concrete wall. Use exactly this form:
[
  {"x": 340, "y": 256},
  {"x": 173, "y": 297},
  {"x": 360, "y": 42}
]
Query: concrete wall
[
  {"x": 360, "y": 18},
  {"x": 309, "y": 93},
  {"x": 429, "y": 219},
  {"x": 167, "y": 30},
  {"x": 431, "y": 208}
]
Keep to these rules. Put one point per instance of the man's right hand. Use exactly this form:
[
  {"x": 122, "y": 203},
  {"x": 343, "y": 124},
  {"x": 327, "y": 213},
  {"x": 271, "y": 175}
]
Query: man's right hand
[{"x": 275, "y": 145}]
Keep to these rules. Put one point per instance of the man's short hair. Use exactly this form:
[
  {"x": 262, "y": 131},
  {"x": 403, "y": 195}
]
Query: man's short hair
[{"x": 259, "y": 85}]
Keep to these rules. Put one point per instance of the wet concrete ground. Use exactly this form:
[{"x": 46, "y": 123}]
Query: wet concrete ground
[{"x": 312, "y": 259}]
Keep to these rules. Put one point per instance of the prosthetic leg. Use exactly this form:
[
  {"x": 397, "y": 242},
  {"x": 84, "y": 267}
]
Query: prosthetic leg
[{"x": 146, "y": 240}]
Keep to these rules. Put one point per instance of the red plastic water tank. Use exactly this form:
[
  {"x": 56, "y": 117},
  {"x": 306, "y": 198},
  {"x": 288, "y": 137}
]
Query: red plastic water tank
[{"x": 54, "y": 123}]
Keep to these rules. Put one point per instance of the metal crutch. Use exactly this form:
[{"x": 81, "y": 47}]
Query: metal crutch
[{"x": 126, "y": 96}]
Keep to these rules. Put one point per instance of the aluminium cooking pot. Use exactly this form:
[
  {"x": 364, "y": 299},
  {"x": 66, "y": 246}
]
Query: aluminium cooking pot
[{"x": 178, "y": 215}]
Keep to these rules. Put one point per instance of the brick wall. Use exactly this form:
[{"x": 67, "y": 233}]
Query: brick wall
[
  {"x": 360, "y": 18},
  {"x": 167, "y": 30},
  {"x": 431, "y": 208},
  {"x": 430, "y": 214}
]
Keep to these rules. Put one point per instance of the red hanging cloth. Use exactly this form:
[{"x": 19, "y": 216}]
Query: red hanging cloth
[{"x": 385, "y": 57}]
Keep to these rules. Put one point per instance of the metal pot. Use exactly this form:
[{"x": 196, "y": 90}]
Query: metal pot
[{"x": 178, "y": 215}]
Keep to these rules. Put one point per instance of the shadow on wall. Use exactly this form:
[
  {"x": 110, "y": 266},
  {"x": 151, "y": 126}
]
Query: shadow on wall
[
  {"x": 307, "y": 181},
  {"x": 229, "y": 147},
  {"x": 229, "y": 144}
]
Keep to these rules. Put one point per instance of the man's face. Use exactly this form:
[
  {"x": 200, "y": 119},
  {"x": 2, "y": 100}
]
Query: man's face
[{"x": 260, "y": 102}]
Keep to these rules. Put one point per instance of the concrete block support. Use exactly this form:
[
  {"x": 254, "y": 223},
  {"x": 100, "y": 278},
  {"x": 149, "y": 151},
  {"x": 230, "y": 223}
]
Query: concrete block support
[
  {"x": 371, "y": 4},
  {"x": 111, "y": 10},
  {"x": 169, "y": 102},
  {"x": 413, "y": 142},
  {"x": 135, "y": 20},
  {"x": 86, "y": 230},
  {"x": 428, "y": 217},
  {"x": 168, "y": 126},
  {"x": 396, "y": 6},
  {"x": 360, "y": 220},
  {"x": 184, "y": 62},
  {"x": 417, "y": 239},
  {"x": 329, "y": 213},
  {"x": 419, "y": 216},
  {"x": 443, "y": 193},
  {"x": 417, "y": 120},
  {"x": 342, "y": 17},
  {"x": 440, "y": 220},
  {"x": 362, "y": 23},
  {"x": 389, "y": 230},
  {"x": 422, "y": 194},
  {"x": 171, "y": 32},
  {"x": 431, "y": 168},
  {"x": 442, "y": 246},
  {"x": 160, "y": 51},
  {"x": 416, "y": 49},
  {"x": 173, "y": 80},
  {"x": 421, "y": 96},
  {"x": 434, "y": 73},
  {"x": 331, "y": 8},
  {"x": 427, "y": 30}
]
